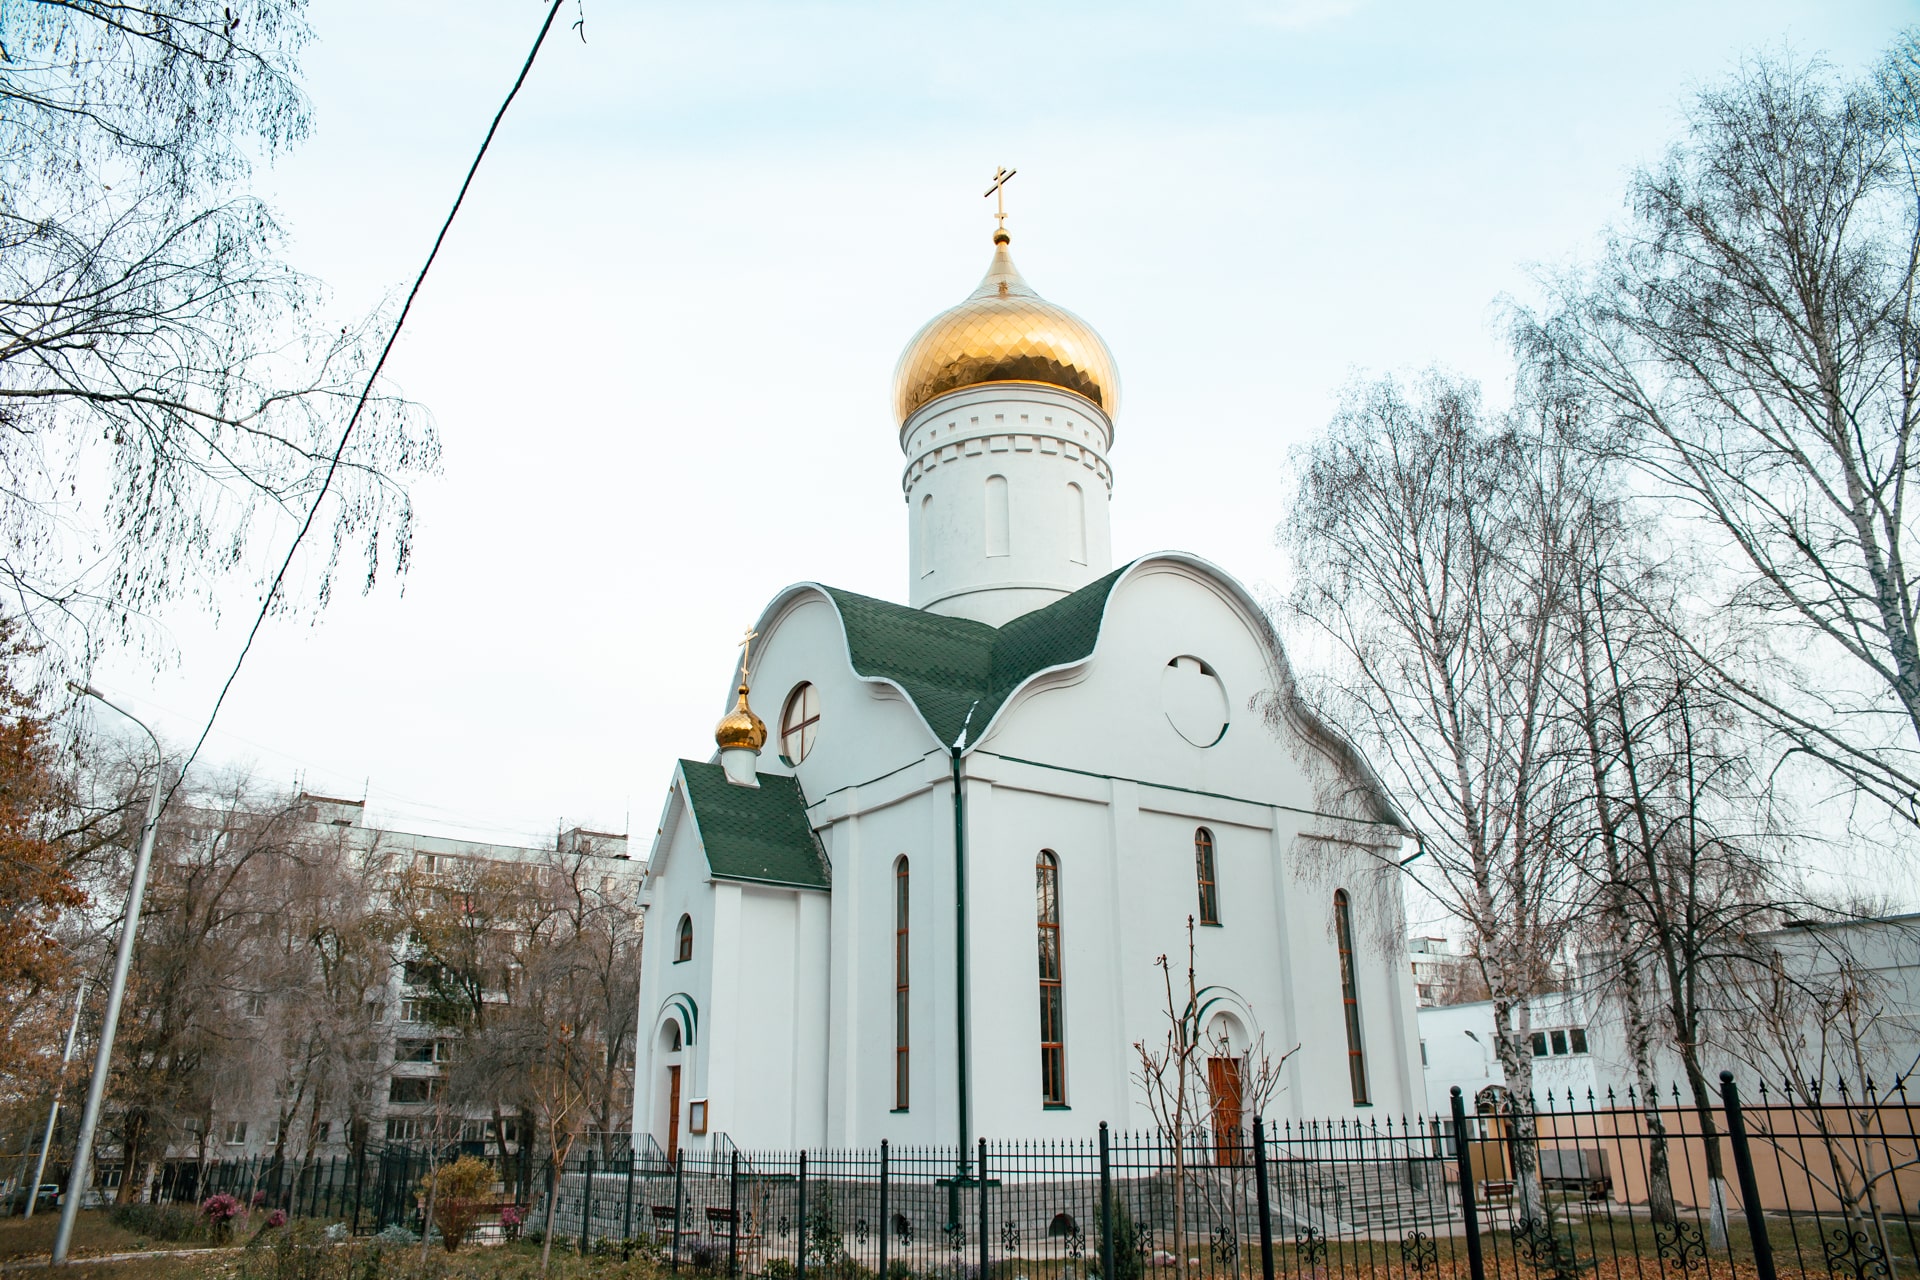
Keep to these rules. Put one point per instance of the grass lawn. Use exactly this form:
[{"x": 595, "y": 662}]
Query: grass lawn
[{"x": 25, "y": 1244}]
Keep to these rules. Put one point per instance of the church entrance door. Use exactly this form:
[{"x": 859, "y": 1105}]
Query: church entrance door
[
  {"x": 673, "y": 1111},
  {"x": 1223, "y": 1096}
]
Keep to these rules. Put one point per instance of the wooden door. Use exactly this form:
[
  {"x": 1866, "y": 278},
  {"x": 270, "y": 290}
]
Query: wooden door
[
  {"x": 1223, "y": 1093},
  {"x": 673, "y": 1112}
]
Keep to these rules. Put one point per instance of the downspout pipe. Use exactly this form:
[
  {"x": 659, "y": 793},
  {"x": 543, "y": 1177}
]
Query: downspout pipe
[{"x": 960, "y": 951}]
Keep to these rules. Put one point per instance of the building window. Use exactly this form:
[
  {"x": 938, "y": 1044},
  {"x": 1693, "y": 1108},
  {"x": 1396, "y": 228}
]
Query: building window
[
  {"x": 404, "y": 1129},
  {"x": 1559, "y": 1044},
  {"x": 410, "y": 1089},
  {"x": 683, "y": 949},
  {"x": 1578, "y": 1035},
  {"x": 413, "y": 1011},
  {"x": 798, "y": 722},
  {"x": 900, "y": 983},
  {"x": 926, "y": 535},
  {"x": 322, "y": 1131},
  {"x": 1076, "y": 523},
  {"x": 999, "y": 519},
  {"x": 1350, "y": 997},
  {"x": 256, "y": 1005},
  {"x": 1203, "y": 870},
  {"x": 236, "y": 1133},
  {"x": 1053, "y": 1047}
]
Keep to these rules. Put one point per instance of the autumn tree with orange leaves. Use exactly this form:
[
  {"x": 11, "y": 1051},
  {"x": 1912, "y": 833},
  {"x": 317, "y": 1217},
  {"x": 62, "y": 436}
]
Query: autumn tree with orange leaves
[{"x": 36, "y": 886}]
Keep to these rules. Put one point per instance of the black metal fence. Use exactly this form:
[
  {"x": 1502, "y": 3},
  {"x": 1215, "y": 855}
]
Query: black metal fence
[{"x": 1800, "y": 1183}]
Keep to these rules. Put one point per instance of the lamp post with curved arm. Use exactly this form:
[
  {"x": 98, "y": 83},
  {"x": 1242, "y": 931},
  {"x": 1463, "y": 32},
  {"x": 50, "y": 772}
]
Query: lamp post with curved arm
[{"x": 77, "y": 1177}]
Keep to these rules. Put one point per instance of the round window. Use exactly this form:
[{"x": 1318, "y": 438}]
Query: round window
[
  {"x": 799, "y": 720},
  {"x": 1194, "y": 700}
]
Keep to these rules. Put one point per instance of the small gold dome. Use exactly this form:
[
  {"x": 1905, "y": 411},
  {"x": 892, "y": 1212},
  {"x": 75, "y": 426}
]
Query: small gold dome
[
  {"x": 1005, "y": 332},
  {"x": 740, "y": 727}
]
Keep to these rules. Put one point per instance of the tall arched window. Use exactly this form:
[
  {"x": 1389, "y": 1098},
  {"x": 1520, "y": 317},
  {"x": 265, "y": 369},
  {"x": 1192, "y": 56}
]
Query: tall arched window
[
  {"x": 1076, "y": 523},
  {"x": 1203, "y": 872},
  {"x": 683, "y": 949},
  {"x": 1053, "y": 1040},
  {"x": 1350, "y": 997},
  {"x": 999, "y": 518},
  {"x": 926, "y": 534},
  {"x": 900, "y": 983}
]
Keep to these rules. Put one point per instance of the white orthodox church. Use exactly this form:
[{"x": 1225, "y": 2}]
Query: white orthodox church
[{"x": 928, "y": 907}]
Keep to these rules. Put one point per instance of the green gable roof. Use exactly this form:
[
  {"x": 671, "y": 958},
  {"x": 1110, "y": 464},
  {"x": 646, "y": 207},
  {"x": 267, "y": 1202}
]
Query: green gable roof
[
  {"x": 755, "y": 833},
  {"x": 957, "y": 671}
]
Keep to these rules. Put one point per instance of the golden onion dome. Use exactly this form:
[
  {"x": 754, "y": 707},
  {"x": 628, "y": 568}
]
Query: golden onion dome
[
  {"x": 1005, "y": 332},
  {"x": 740, "y": 727}
]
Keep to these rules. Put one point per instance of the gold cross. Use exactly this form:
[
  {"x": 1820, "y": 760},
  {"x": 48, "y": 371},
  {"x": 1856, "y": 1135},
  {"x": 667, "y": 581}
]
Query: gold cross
[
  {"x": 746, "y": 651},
  {"x": 999, "y": 191}
]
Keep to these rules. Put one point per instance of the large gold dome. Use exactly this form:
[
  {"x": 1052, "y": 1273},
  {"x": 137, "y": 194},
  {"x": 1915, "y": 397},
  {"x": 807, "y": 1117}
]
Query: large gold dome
[{"x": 1004, "y": 332}]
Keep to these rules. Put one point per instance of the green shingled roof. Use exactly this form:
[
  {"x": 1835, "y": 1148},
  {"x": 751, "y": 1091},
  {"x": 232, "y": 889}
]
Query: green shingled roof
[
  {"x": 957, "y": 671},
  {"x": 755, "y": 833}
]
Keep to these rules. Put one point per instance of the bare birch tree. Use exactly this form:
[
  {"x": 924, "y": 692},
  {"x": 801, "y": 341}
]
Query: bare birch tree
[
  {"x": 1431, "y": 552},
  {"x": 1750, "y": 334},
  {"x": 168, "y": 384}
]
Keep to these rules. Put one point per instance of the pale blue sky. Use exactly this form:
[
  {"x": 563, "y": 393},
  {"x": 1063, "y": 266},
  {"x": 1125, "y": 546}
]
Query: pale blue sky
[{"x": 680, "y": 285}]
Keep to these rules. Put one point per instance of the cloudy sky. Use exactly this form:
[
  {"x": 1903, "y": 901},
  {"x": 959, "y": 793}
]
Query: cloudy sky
[{"x": 659, "y": 342}]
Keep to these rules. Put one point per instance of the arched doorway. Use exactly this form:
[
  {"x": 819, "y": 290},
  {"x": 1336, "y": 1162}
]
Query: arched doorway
[
  {"x": 1226, "y": 1049},
  {"x": 667, "y": 1089}
]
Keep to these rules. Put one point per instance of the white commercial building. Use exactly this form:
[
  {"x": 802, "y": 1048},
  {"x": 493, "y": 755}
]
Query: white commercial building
[{"x": 930, "y": 908}]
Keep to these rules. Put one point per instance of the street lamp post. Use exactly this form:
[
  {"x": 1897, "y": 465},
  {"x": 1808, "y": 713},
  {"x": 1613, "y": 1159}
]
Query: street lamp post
[
  {"x": 103, "y": 1055},
  {"x": 53, "y": 1112}
]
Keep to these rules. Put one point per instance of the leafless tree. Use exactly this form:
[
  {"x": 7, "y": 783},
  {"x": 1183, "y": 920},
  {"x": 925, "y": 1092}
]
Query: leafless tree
[
  {"x": 1751, "y": 338},
  {"x": 1680, "y": 831},
  {"x": 1811, "y": 1010},
  {"x": 167, "y": 383},
  {"x": 1431, "y": 549},
  {"x": 1197, "y": 1115}
]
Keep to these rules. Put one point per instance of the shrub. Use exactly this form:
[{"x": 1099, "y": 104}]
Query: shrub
[
  {"x": 778, "y": 1269},
  {"x": 459, "y": 1192},
  {"x": 219, "y": 1210},
  {"x": 171, "y": 1222},
  {"x": 512, "y": 1219},
  {"x": 397, "y": 1234}
]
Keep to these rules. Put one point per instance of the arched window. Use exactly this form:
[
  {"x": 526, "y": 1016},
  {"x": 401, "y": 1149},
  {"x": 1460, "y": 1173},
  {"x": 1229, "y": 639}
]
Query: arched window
[
  {"x": 926, "y": 534},
  {"x": 683, "y": 949},
  {"x": 1076, "y": 523},
  {"x": 1053, "y": 1040},
  {"x": 1203, "y": 871},
  {"x": 799, "y": 720},
  {"x": 1350, "y": 996},
  {"x": 999, "y": 519},
  {"x": 900, "y": 983}
]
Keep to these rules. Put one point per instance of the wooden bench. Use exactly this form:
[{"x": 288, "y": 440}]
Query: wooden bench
[
  {"x": 664, "y": 1220},
  {"x": 720, "y": 1228},
  {"x": 1500, "y": 1190}
]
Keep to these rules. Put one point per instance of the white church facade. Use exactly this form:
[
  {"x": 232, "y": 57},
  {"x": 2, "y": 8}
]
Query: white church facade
[{"x": 927, "y": 906}]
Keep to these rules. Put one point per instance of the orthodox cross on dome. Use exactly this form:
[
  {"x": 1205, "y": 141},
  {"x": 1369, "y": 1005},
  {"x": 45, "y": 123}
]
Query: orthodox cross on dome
[
  {"x": 746, "y": 652},
  {"x": 999, "y": 191}
]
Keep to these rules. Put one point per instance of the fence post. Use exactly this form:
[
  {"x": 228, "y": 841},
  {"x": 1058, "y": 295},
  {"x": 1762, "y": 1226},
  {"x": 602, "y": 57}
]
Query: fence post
[
  {"x": 1106, "y": 1207},
  {"x": 984, "y": 1218},
  {"x": 1749, "y": 1187},
  {"x": 586, "y": 1206},
  {"x": 1260, "y": 1189},
  {"x": 886, "y": 1219},
  {"x": 626, "y": 1217},
  {"x": 359, "y": 1190},
  {"x": 1469, "y": 1211},
  {"x": 679, "y": 1202},
  {"x": 800, "y": 1268},
  {"x": 733, "y": 1210}
]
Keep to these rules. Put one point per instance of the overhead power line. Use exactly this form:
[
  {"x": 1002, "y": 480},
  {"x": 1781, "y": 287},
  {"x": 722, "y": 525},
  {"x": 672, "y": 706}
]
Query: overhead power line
[{"x": 333, "y": 464}]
